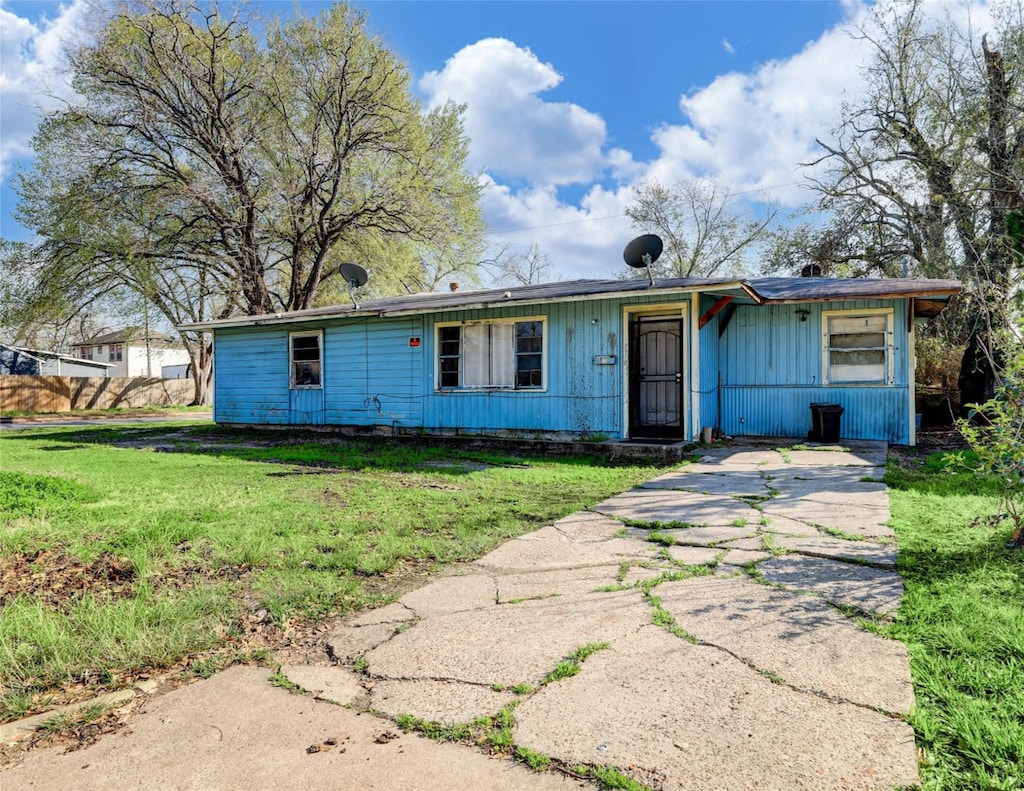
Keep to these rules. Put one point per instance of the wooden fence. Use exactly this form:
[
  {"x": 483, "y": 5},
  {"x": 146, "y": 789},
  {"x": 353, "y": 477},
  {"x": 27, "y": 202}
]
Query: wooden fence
[{"x": 64, "y": 393}]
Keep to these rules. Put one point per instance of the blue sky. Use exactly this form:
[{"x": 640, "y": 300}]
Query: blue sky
[{"x": 569, "y": 104}]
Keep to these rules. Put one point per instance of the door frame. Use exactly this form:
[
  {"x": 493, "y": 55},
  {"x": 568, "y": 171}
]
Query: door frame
[{"x": 669, "y": 310}]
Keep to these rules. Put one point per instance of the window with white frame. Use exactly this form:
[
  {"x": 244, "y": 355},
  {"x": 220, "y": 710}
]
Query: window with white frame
[
  {"x": 857, "y": 347},
  {"x": 116, "y": 352},
  {"x": 492, "y": 354},
  {"x": 306, "y": 358}
]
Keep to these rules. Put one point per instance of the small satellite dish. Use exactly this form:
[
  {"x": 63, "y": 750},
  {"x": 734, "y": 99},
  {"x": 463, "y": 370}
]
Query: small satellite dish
[
  {"x": 642, "y": 252},
  {"x": 355, "y": 276}
]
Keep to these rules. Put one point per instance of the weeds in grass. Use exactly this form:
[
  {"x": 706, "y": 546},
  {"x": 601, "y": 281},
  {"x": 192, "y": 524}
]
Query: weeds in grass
[
  {"x": 68, "y": 720},
  {"x": 962, "y": 619},
  {"x": 297, "y": 525}
]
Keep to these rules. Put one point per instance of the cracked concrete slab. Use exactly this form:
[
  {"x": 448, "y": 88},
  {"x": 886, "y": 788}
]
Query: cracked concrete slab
[
  {"x": 851, "y": 584},
  {"x": 451, "y": 594},
  {"x": 235, "y": 732},
  {"x": 693, "y": 556},
  {"x": 867, "y": 522},
  {"x": 652, "y": 505},
  {"x": 549, "y": 548},
  {"x": 507, "y": 644},
  {"x": 446, "y": 702},
  {"x": 840, "y": 549},
  {"x": 348, "y": 643},
  {"x": 336, "y": 684},
  {"x": 728, "y": 483},
  {"x": 874, "y": 457},
  {"x": 798, "y": 638},
  {"x": 393, "y": 613},
  {"x": 795, "y": 488},
  {"x": 554, "y": 583},
  {"x": 708, "y": 536},
  {"x": 741, "y": 557},
  {"x": 693, "y": 718}
]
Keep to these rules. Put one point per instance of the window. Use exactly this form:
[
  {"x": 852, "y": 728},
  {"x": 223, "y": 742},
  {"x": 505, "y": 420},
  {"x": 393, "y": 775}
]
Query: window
[
  {"x": 85, "y": 352},
  {"x": 857, "y": 347},
  {"x": 116, "y": 353},
  {"x": 305, "y": 359},
  {"x": 498, "y": 354}
]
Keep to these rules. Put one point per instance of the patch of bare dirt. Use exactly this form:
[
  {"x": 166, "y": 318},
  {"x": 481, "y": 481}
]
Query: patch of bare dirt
[
  {"x": 929, "y": 441},
  {"x": 54, "y": 578}
]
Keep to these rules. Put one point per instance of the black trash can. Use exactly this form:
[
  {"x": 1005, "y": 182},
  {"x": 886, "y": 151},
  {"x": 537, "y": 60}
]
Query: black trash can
[{"x": 825, "y": 420}]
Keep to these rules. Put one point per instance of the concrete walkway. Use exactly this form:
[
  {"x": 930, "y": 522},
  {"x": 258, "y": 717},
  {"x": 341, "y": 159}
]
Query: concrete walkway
[{"x": 718, "y": 611}]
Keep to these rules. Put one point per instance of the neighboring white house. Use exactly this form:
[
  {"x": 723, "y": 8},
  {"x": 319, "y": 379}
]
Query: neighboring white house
[{"x": 132, "y": 353}]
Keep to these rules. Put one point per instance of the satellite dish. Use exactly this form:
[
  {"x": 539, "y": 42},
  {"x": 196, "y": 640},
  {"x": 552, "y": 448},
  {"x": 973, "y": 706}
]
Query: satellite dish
[
  {"x": 355, "y": 276},
  {"x": 642, "y": 252}
]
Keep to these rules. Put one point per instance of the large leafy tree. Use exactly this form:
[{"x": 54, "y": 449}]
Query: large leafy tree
[
  {"x": 925, "y": 168},
  {"x": 221, "y": 164}
]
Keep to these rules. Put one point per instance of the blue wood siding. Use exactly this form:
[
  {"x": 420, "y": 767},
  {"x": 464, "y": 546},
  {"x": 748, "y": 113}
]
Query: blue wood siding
[
  {"x": 771, "y": 365},
  {"x": 372, "y": 375},
  {"x": 769, "y": 361},
  {"x": 251, "y": 375},
  {"x": 709, "y": 362}
]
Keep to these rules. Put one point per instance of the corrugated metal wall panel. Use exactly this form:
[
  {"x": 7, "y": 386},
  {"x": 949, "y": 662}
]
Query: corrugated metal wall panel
[
  {"x": 771, "y": 364},
  {"x": 880, "y": 413}
]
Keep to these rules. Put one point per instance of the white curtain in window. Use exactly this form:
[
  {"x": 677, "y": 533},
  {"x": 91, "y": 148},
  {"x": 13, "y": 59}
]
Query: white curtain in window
[
  {"x": 488, "y": 355},
  {"x": 503, "y": 355}
]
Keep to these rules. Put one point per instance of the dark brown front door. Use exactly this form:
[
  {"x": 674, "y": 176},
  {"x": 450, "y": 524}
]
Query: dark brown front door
[{"x": 656, "y": 377}]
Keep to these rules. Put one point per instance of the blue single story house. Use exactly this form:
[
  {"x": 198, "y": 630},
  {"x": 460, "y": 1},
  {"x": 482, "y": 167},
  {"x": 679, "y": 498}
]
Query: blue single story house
[{"x": 626, "y": 359}]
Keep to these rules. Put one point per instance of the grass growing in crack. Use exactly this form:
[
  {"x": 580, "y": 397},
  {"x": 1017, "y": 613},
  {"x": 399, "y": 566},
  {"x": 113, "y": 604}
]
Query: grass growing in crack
[
  {"x": 573, "y": 663},
  {"x": 533, "y": 759},
  {"x": 656, "y": 537},
  {"x": 772, "y": 676},
  {"x": 279, "y": 679},
  {"x": 538, "y": 597},
  {"x": 738, "y": 523},
  {"x": 835, "y": 532},
  {"x": 663, "y": 618},
  {"x": 673, "y": 524},
  {"x": 521, "y": 689},
  {"x": 612, "y": 779},
  {"x": 765, "y": 521},
  {"x": 433, "y": 729},
  {"x": 768, "y": 541},
  {"x": 361, "y": 665},
  {"x": 962, "y": 619}
]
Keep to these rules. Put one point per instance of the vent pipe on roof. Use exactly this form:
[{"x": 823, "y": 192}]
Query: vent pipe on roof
[
  {"x": 811, "y": 270},
  {"x": 453, "y": 286}
]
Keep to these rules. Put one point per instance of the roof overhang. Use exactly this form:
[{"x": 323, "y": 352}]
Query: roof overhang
[{"x": 928, "y": 297}]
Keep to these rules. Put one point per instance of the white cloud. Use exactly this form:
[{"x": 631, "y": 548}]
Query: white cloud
[
  {"x": 33, "y": 79},
  {"x": 515, "y": 133},
  {"x": 728, "y": 47},
  {"x": 752, "y": 130}
]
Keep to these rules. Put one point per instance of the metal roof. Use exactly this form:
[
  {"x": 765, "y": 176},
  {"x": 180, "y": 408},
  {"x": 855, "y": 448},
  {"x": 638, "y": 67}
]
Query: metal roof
[
  {"x": 40, "y": 354},
  {"x": 760, "y": 290}
]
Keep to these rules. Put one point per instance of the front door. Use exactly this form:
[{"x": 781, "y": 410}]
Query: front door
[{"x": 656, "y": 377}]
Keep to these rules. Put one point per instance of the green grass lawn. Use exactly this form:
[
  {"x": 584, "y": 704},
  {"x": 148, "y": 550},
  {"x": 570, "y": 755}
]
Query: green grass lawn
[
  {"x": 124, "y": 549},
  {"x": 963, "y": 622}
]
